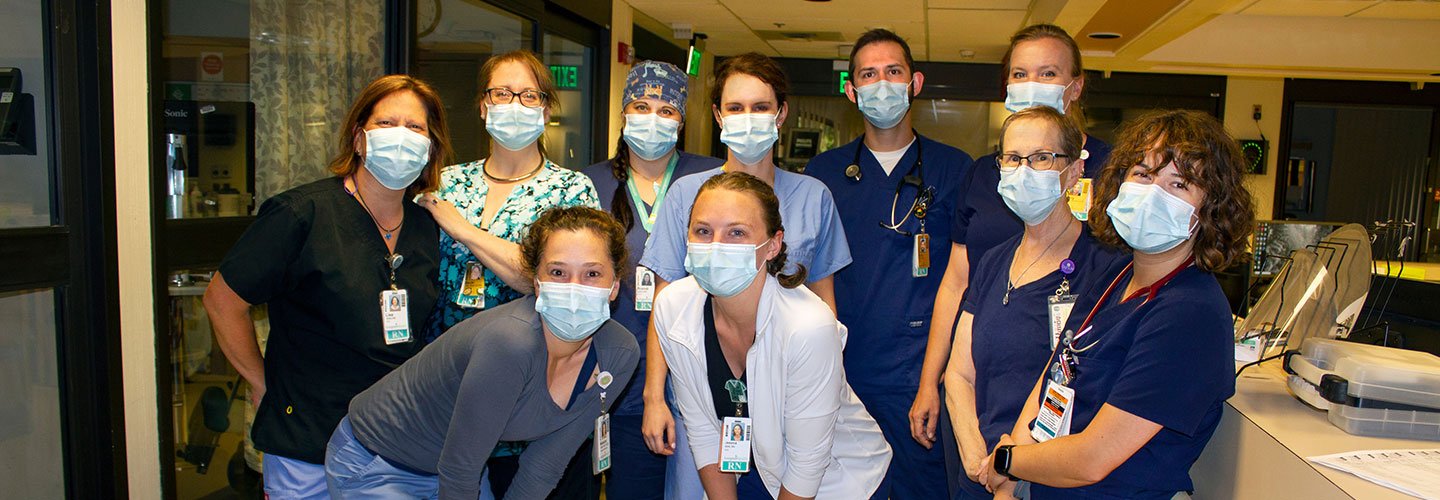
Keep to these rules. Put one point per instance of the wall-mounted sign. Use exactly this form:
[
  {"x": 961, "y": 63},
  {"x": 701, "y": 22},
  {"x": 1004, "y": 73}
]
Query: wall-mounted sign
[
  {"x": 844, "y": 75},
  {"x": 566, "y": 77}
]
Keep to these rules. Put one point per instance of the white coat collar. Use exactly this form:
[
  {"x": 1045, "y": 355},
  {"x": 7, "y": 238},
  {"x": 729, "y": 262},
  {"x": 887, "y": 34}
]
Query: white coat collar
[{"x": 691, "y": 333}]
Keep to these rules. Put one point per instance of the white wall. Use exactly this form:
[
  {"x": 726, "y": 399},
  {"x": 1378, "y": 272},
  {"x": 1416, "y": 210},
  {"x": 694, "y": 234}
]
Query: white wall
[
  {"x": 1241, "y": 96},
  {"x": 128, "y": 20}
]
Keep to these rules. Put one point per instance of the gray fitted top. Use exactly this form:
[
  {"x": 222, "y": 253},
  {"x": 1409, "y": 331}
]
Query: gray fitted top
[{"x": 481, "y": 382}]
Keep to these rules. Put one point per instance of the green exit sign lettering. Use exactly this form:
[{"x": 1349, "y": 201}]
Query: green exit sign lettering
[
  {"x": 566, "y": 77},
  {"x": 844, "y": 75}
]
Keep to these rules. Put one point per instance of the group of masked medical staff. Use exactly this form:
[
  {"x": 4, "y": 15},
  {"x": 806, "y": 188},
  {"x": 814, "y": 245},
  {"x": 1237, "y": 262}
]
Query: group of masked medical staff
[{"x": 899, "y": 321}]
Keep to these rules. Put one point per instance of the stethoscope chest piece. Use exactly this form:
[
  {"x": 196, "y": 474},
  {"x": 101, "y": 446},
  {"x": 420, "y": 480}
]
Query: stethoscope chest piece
[{"x": 853, "y": 171}]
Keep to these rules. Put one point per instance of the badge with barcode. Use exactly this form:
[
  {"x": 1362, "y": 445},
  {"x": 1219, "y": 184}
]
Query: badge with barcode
[
  {"x": 395, "y": 316},
  {"x": 735, "y": 445}
]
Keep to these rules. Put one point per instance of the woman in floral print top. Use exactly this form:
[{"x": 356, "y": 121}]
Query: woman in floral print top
[{"x": 486, "y": 206}]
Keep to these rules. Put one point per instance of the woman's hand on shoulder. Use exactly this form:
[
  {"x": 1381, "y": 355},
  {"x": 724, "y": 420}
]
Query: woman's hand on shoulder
[{"x": 445, "y": 213}]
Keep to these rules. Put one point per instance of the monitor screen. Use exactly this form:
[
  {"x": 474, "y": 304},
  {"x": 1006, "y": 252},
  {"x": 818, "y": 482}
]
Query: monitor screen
[{"x": 1274, "y": 240}]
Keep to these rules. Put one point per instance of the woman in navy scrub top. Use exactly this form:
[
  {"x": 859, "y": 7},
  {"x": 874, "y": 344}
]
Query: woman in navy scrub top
[
  {"x": 1150, "y": 365},
  {"x": 1042, "y": 68},
  {"x": 1005, "y": 329},
  {"x": 632, "y": 185}
]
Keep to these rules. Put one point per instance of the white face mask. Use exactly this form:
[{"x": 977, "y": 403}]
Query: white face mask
[
  {"x": 1031, "y": 193},
  {"x": 514, "y": 126},
  {"x": 722, "y": 269},
  {"x": 649, "y": 135},
  {"x": 571, "y": 310},
  {"x": 884, "y": 103},
  {"x": 749, "y": 135},
  {"x": 1150, "y": 219},
  {"x": 1024, "y": 95}
]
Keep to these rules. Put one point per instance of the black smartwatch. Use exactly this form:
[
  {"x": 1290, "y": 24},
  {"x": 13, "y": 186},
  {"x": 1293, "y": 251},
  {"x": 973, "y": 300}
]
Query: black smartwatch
[{"x": 1002, "y": 461}]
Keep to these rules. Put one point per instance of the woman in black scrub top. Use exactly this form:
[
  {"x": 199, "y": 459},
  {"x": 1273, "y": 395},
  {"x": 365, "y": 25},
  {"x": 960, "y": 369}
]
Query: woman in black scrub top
[
  {"x": 330, "y": 258},
  {"x": 1006, "y": 323},
  {"x": 1144, "y": 375}
]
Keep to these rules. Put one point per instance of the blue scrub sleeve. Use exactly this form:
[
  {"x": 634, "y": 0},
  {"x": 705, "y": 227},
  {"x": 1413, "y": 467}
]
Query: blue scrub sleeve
[
  {"x": 1180, "y": 365},
  {"x": 832, "y": 249},
  {"x": 665, "y": 249}
]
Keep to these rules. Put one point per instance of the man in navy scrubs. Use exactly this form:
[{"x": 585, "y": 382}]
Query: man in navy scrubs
[{"x": 896, "y": 193}]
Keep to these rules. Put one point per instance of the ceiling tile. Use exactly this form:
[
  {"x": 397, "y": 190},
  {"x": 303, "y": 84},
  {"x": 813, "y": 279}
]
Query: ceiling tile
[
  {"x": 881, "y": 11},
  {"x": 962, "y": 28},
  {"x": 1403, "y": 10},
  {"x": 1309, "y": 8},
  {"x": 979, "y": 4}
]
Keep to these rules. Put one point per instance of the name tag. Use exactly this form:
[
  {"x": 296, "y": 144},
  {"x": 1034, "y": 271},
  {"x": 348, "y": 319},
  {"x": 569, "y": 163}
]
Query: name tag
[
  {"x": 395, "y": 316},
  {"x": 735, "y": 445},
  {"x": 1060, "y": 307},
  {"x": 472, "y": 289},
  {"x": 920, "y": 256},
  {"x": 644, "y": 288},
  {"x": 1055, "y": 413},
  {"x": 601, "y": 450}
]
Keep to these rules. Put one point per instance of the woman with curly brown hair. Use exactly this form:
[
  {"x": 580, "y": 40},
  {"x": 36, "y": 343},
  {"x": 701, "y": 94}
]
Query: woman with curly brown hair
[{"x": 1130, "y": 397}]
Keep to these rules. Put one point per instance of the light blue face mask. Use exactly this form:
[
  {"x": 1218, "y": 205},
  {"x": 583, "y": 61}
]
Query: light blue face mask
[
  {"x": 1031, "y": 193},
  {"x": 1024, "y": 95},
  {"x": 649, "y": 135},
  {"x": 1150, "y": 219},
  {"x": 749, "y": 135},
  {"x": 722, "y": 269},
  {"x": 884, "y": 103},
  {"x": 514, "y": 126},
  {"x": 395, "y": 156},
  {"x": 572, "y": 311}
]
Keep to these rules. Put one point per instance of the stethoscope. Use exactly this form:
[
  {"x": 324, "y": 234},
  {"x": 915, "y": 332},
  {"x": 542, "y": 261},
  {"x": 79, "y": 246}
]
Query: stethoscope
[{"x": 915, "y": 176}]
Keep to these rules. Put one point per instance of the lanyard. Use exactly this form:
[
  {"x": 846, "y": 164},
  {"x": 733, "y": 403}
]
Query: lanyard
[
  {"x": 1148, "y": 291},
  {"x": 647, "y": 217}
]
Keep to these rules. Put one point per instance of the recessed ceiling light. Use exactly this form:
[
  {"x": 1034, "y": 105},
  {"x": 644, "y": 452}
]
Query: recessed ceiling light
[{"x": 1104, "y": 35}]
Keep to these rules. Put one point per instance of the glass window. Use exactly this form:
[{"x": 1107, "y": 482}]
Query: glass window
[
  {"x": 454, "y": 38},
  {"x": 30, "y": 445},
  {"x": 568, "y": 136},
  {"x": 25, "y": 175}
]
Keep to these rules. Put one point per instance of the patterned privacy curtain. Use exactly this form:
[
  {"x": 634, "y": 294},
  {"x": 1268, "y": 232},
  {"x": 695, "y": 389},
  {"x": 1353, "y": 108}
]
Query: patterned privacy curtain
[{"x": 309, "y": 59}]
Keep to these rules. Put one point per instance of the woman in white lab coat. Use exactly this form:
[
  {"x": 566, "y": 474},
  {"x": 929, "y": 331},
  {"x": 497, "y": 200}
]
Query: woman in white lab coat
[{"x": 764, "y": 353}]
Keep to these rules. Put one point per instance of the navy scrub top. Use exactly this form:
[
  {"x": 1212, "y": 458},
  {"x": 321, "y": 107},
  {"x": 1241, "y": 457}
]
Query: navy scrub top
[
  {"x": 888, "y": 310},
  {"x": 622, "y": 310},
  {"x": 984, "y": 221},
  {"x": 1165, "y": 357},
  {"x": 1010, "y": 343}
]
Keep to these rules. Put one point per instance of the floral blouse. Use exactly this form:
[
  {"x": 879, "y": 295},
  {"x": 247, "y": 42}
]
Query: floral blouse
[{"x": 465, "y": 186}]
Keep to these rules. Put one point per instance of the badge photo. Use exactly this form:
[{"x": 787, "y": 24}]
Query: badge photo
[{"x": 472, "y": 289}]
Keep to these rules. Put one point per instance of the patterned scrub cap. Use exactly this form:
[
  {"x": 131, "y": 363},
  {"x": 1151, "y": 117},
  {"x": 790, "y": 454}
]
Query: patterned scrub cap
[{"x": 657, "y": 80}]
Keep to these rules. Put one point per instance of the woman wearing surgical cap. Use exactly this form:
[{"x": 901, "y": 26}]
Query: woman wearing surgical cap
[{"x": 631, "y": 185}]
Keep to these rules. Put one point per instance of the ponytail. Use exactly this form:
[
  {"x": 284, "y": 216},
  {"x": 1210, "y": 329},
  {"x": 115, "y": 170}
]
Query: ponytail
[
  {"x": 776, "y": 266},
  {"x": 619, "y": 203}
]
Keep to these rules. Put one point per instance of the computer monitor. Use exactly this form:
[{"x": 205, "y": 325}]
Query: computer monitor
[{"x": 1275, "y": 239}]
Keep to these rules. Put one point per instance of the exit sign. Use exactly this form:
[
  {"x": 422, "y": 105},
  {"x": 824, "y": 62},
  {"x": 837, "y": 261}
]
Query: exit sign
[
  {"x": 566, "y": 77},
  {"x": 844, "y": 75}
]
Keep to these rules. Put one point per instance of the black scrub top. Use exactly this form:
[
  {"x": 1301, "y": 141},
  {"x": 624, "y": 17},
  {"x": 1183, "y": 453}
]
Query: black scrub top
[
  {"x": 315, "y": 257},
  {"x": 717, "y": 371}
]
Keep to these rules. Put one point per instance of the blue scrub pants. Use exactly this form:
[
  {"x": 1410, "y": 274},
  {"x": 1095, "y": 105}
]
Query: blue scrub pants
[
  {"x": 291, "y": 479},
  {"x": 353, "y": 472},
  {"x": 915, "y": 472}
]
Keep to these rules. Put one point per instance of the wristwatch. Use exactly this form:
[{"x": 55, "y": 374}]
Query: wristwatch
[{"x": 1002, "y": 461}]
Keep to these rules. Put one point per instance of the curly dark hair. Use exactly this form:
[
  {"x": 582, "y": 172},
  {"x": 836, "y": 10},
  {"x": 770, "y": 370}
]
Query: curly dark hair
[
  {"x": 576, "y": 218},
  {"x": 1207, "y": 158},
  {"x": 741, "y": 182}
]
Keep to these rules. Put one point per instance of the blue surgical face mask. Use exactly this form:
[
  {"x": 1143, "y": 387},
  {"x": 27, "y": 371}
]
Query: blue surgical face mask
[
  {"x": 1024, "y": 95},
  {"x": 650, "y": 136},
  {"x": 884, "y": 103},
  {"x": 1150, "y": 219},
  {"x": 571, "y": 310},
  {"x": 1031, "y": 193},
  {"x": 749, "y": 135},
  {"x": 395, "y": 156},
  {"x": 722, "y": 269},
  {"x": 514, "y": 126}
]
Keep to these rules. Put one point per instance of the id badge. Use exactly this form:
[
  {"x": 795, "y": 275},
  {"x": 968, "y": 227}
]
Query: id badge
[
  {"x": 1060, "y": 307},
  {"x": 1080, "y": 198},
  {"x": 395, "y": 316},
  {"x": 1055, "y": 413},
  {"x": 472, "y": 289},
  {"x": 735, "y": 445},
  {"x": 920, "y": 256},
  {"x": 601, "y": 449},
  {"x": 644, "y": 288}
]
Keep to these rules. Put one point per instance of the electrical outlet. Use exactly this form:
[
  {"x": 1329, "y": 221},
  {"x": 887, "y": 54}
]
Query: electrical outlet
[{"x": 1256, "y": 113}]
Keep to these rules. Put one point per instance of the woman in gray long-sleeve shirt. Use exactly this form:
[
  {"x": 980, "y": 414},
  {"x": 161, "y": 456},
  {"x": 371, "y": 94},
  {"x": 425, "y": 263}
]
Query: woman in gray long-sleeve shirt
[{"x": 540, "y": 369}]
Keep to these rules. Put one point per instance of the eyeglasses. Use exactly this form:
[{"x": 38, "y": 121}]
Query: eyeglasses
[
  {"x": 1039, "y": 159},
  {"x": 528, "y": 98}
]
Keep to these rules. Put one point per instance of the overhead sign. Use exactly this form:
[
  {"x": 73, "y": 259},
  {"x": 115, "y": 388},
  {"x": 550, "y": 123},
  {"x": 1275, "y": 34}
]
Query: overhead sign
[{"x": 566, "y": 77}]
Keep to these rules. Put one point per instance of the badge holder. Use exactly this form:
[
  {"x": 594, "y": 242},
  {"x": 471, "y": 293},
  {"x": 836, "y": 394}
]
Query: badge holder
[
  {"x": 644, "y": 288},
  {"x": 472, "y": 289},
  {"x": 1061, "y": 303},
  {"x": 735, "y": 432},
  {"x": 395, "y": 307},
  {"x": 600, "y": 452}
]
